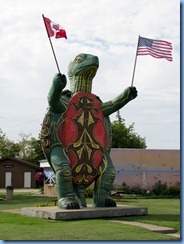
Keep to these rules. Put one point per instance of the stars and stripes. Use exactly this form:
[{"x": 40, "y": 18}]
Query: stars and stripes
[{"x": 155, "y": 48}]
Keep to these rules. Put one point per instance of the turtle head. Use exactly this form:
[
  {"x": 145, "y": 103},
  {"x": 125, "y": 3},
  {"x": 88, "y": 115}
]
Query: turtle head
[{"x": 81, "y": 71}]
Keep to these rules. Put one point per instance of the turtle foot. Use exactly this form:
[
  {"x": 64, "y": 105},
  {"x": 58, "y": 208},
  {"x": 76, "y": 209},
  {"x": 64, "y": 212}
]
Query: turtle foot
[
  {"x": 67, "y": 203},
  {"x": 108, "y": 202}
]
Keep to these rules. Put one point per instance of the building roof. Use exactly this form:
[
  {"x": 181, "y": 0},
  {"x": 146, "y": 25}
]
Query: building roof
[
  {"x": 44, "y": 163},
  {"x": 20, "y": 161}
]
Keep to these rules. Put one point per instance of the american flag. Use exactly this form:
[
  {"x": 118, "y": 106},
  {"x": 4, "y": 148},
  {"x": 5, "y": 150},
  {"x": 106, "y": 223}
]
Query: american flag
[{"x": 155, "y": 48}]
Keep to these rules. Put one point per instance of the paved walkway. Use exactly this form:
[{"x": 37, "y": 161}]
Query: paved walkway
[
  {"x": 18, "y": 211},
  {"x": 32, "y": 190},
  {"x": 154, "y": 228}
]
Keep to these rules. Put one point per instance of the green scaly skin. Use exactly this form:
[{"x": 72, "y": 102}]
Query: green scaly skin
[{"x": 81, "y": 72}]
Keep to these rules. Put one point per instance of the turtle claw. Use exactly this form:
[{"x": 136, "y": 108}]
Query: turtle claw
[
  {"x": 67, "y": 203},
  {"x": 110, "y": 203},
  {"x": 72, "y": 205}
]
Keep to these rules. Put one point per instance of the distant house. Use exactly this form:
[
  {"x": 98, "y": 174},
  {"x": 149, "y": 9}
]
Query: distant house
[{"x": 18, "y": 173}]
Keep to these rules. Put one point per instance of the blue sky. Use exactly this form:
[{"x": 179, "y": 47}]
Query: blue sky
[{"x": 104, "y": 28}]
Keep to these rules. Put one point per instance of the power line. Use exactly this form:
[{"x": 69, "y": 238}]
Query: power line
[{"x": 28, "y": 122}]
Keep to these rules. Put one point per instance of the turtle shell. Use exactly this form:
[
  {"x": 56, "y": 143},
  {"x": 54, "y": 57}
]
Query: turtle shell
[{"x": 83, "y": 135}]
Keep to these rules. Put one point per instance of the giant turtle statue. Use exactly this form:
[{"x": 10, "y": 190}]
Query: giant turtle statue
[{"x": 76, "y": 135}]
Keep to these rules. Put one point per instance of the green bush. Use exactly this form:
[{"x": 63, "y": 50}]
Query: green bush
[
  {"x": 149, "y": 194},
  {"x": 160, "y": 188},
  {"x": 126, "y": 188},
  {"x": 174, "y": 190},
  {"x": 137, "y": 189}
]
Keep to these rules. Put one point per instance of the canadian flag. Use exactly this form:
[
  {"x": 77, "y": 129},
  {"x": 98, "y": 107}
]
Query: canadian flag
[{"x": 54, "y": 29}]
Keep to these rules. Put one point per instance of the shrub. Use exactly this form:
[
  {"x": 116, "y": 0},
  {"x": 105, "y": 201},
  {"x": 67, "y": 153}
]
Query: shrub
[
  {"x": 136, "y": 189},
  {"x": 126, "y": 188},
  {"x": 174, "y": 190},
  {"x": 149, "y": 194},
  {"x": 160, "y": 188}
]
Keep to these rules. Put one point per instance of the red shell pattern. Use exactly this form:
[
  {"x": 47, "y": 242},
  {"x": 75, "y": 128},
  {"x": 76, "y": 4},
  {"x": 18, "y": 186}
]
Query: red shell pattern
[{"x": 83, "y": 135}]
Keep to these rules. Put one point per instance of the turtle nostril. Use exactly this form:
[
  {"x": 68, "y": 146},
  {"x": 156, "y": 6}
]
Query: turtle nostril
[{"x": 95, "y": 59}]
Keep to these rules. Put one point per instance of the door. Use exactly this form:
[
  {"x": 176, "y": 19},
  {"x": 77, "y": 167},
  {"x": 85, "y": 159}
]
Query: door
[
  {"x": 27, "y": 179},
  {"x": 8, "y": 179}
]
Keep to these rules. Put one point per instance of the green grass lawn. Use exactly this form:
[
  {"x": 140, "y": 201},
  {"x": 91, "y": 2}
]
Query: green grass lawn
[
  {"x": 13, "y": 226},
  {"x": 21, "y": 200},
  {"x": 163, "y": 212}
]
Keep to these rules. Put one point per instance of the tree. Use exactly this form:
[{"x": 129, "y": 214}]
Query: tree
[
  {"x": 30, "y": 148},
  {"x": 7, "y": 147},
  {"x": 38, "y": 152},
  {"x": 125, "y": 137}
]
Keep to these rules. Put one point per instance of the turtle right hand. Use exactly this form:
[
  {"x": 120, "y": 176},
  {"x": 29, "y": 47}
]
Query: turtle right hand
[
  {"x": 133, "y": 91},
  {"x": 60, "y": 80}
]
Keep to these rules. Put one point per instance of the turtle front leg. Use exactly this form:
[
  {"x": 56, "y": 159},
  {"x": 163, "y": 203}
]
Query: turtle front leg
[
  {"x": 64, "y": 184},
  {"x": 103, "y": 185}
]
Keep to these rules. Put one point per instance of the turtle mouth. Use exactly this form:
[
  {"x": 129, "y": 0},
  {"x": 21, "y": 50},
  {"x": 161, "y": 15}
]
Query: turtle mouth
[{"x": 87, "y": 72}]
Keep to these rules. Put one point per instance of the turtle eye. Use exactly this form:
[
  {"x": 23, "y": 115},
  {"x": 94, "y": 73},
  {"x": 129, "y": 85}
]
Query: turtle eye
[{"x": 78, "y": 59}]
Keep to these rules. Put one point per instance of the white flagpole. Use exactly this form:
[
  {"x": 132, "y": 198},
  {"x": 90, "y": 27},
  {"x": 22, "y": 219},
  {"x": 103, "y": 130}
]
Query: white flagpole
[{"x": 135, "y": 62}]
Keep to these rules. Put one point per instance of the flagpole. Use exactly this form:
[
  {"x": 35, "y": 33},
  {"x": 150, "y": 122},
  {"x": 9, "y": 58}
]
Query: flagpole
[
  {"x": 135, "y": 62},
  {"x": 51, "y": 46}
]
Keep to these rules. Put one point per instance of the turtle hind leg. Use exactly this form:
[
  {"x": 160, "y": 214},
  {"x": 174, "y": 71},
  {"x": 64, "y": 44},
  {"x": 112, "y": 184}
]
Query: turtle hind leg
[
  {"x": 104, "y": 202},
  {"x": 103, "y": 199},
  {"x": 80, "y": 193},
  {"x": 110, "y": 202},
  {"x": 103, "y": 185}
]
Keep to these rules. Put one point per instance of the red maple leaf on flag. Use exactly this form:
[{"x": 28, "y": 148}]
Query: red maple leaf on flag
[{"x": 54, "y": 29}]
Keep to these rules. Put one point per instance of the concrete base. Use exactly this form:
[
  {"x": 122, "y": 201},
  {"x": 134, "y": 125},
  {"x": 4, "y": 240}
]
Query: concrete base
[{"x": 84, "y": 213}]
